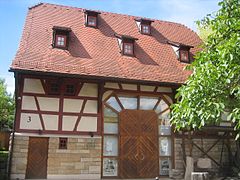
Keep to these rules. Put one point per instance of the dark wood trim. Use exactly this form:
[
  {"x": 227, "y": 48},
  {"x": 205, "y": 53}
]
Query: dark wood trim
[
  {"x": 58, "y": 132},
  {"x": 100, "y": 107},
  {"x": 156, "y": 105},
  {"x": 44, "y": 86},
  {"x": 19, "y": 101},
  {"x": 120, "y": 86},
  {"x": 40, "y": 115},
  {"x": 110, "y": 107},
  {"x": 119, "y": 102},
  {"x": 60, "y": 117},
  {"x": 93, "y": 78},
  {"x": 57, "y": 113},
  {"x": 164, "y": 111},
  {"x": 79, "y": 88},
  {"x": 142, "y": 93},
  {"x": 57, "y": 96},
  {"x": 79, "y": 117},
  {"x": 194, "y": 144}
]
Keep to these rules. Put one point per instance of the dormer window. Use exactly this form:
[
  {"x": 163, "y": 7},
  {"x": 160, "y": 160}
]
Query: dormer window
[
  {"x": 181, "y": 50},
  {"x": 61, "y": 41},
  {"x": 92, "y": 21},
  {"x": 60, "y": 37},
  {"x": 184, "y": 55},
  {"x": 144, "y": 25},
  {"x": 126, "y": 44},
  {"x": 91, "y": 18},
  {"x": 145, "y": 29},
  {"x": 128, "y": 48}
]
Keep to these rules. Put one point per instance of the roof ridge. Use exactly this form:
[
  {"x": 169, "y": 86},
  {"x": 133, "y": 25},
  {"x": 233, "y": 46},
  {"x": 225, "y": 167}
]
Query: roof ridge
[
  {"x": 113, "y": 13},
  {"x": 36, "y": 5}
]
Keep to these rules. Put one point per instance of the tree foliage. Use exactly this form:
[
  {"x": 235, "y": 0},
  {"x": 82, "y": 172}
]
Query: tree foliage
[
  {"x": 6, "y": 107},
  {"x": 214, "y": 86}
]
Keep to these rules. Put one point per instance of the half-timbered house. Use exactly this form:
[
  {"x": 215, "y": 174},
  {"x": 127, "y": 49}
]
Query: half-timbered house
[{"x": 93, "y": 94}]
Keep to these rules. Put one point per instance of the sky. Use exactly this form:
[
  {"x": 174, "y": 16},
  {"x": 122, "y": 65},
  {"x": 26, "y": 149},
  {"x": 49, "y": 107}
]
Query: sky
[{"x": 13, "y": 14}]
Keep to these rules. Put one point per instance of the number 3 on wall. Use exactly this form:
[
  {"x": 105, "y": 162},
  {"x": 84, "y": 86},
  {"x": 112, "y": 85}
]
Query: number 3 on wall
[{"x": 29, "y": 119}]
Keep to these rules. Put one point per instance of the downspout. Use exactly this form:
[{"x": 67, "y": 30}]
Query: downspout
[{"x": 9, "y": 168}]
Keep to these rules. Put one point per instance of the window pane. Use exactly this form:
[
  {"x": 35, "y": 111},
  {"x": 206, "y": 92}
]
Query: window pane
[
  {"x": 147, "y": 103},
  {"x": 110, "y": 167},
  {"x": 91, "y": 21},
  {"x": 165, "y": 118},
  {"x": 113, "y": 103},
  {"x": 110, "y": 146},
  {"x": 128, "y": 48},
  {"x": 184, "y": 55},
  {"x": 111, "y": 128},
  {"x": 165, "y": 146},
  {"x": 110, "y": 116},
  {"x": 161, "y": 106},
  {"x": 128, "y": 102},
  {"x": 164, "y": 129},
  {"x": 165, "y": 166},
  {"x": 146, "y": 29}
]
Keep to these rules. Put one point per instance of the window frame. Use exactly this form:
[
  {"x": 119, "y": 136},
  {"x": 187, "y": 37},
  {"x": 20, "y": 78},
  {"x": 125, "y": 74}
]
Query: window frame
[
  {"x": 63, "y": 32},
  {"x": 181, "y": 51},
  {"x": 49, "y": 87},
  {"x": 74, "y": 89},
  {"x": 56, "y": 40},
  {"x": 63, "y": 143},
  {"x": 95, "y": 20},
  {"x": 146, "y": 25},
  {"x": 132, "y": 48}
]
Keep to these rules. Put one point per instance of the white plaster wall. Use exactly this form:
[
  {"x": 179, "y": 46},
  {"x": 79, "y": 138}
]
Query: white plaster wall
[
  {"x": 106, "y": 94},
  {"x": 68, "y": 123},
  {"x": 50, "y": 121},
  {"x": 164, "y": 89},
  {"x": 90, "y": 107},
  {"x": 28, "y": 103},
  {"x": 72, "y": 105},
  {"x": 33, "y": 86},
  {"x": 89, "y": 89},
  {"x": 48, "y": 104},
  {"x": 111, "y": 85},
  {"x": 129, "y": 87},
  {"x": 168, "y": 98},
  {"x": 88, "y": 124},
  {"x": 33, "y": 124},
  {"x": 147, "y": 88}
]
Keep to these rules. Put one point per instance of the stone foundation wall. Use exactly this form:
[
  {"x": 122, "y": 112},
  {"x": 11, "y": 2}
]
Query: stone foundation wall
[
  {"x": 19, "y": 157},
  {"x": 81, "y": 159},
  {"x": 205, "y": 144}
]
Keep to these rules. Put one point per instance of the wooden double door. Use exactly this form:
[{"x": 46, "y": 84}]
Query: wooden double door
[
  {"x": 138, "y": 157},
  {"x": 37, "y": 158}
]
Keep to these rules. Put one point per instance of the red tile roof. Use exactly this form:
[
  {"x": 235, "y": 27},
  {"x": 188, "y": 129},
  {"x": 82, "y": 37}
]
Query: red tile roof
[{"x": 95, "y": 51}]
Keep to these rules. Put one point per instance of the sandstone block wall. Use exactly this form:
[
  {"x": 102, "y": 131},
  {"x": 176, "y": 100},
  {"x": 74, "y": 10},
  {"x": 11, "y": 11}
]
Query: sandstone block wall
[
  {"x": 19, "y": 157},
  {"x": 82, "y": 157}
]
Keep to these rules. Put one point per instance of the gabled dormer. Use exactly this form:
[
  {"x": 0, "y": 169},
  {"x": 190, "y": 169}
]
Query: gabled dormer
[
  {"x": 60, "y": 37},
  {"x": 126, "y": 44},
  {"x": 91, "y": 18},
  {"x": 181, "y": 50},
  {"x": 144, "y": 25}
]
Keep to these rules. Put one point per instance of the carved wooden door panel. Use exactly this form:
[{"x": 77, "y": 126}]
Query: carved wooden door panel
[
  {"x": 138, "y": 144},
  {"x": 37, "y": 158}
]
